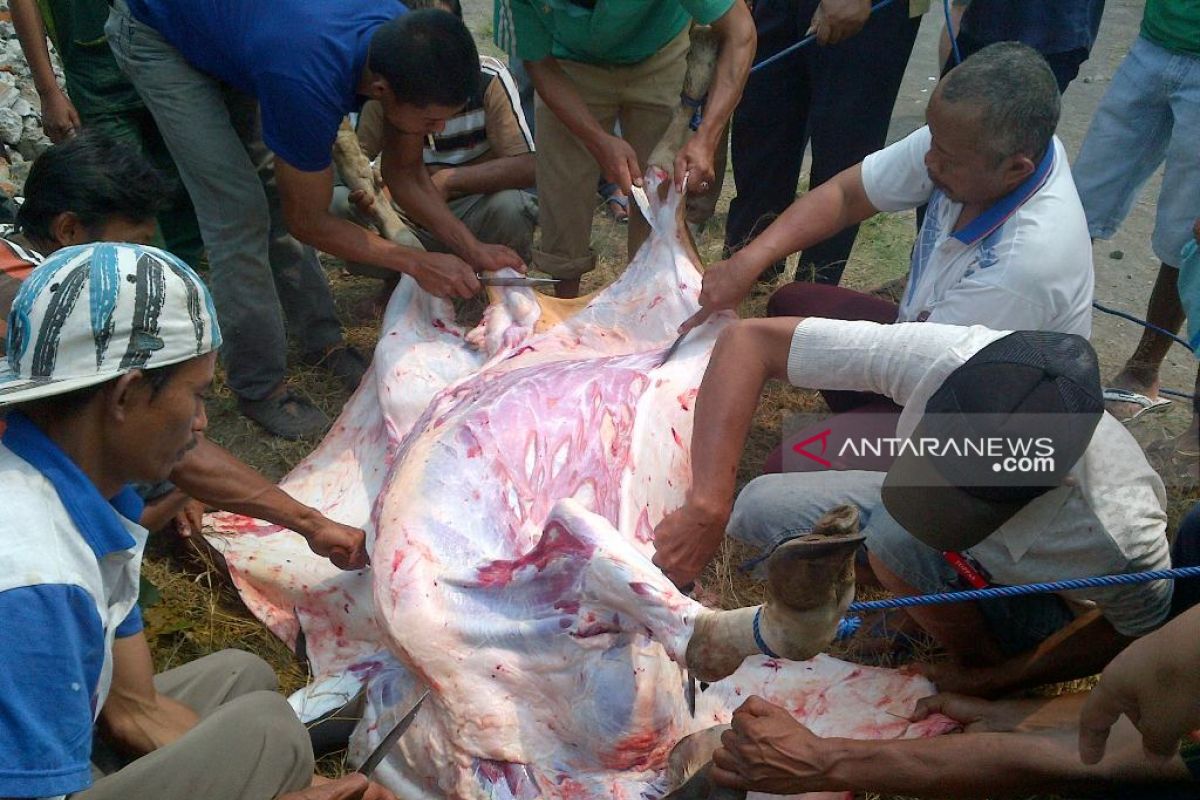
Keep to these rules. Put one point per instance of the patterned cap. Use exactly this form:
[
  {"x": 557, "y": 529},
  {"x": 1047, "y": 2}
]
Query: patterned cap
[{"x": 93, "y": 312}]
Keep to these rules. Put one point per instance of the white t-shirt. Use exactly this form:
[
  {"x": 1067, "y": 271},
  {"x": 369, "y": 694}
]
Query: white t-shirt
[
  {"x": 1109, "y": 519},
  {"x": 1024, "y": 264}
]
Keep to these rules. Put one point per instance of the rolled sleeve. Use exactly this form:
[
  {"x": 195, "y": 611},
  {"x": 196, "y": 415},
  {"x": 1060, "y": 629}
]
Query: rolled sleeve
[
  {"x": 706, "y": 12},
  {"x": 891, "y": 360},
  {"x": 895, "y": 178},
  {"x": 531, "y": 30}
]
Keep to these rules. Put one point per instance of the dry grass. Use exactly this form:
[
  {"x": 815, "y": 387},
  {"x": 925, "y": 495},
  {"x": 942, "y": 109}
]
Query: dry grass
[{"x": 199, "y": 613}]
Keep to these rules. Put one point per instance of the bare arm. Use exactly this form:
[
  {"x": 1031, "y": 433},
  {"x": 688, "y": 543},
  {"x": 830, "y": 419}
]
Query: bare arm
[
  {"x": 615, "y": 156},
  {"x": 413, "y": 189},
  {"x": 305, "y": 198},
  {"x": 767, "y": 750},
  {"x": 1080, "y": 649},
  {"x": 486, "y": 177},
  {"x": 812, "y": 218},
  {"x": 747, "y": 355},
  {"x": 59, "y": 117},
  {"x": 135, "y": 715},
  {"x": 737, "y": 39},
  {"x": 219, "y": 479}
]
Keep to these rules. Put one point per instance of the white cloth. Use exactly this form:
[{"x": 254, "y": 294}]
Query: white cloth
[
  {"x": 1024, "y": 264},
  {"x": 1108, "y": 518}
]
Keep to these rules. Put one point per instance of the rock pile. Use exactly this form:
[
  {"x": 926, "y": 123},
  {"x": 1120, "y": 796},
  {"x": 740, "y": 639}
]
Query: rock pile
[{"x": 21, "y": 137}]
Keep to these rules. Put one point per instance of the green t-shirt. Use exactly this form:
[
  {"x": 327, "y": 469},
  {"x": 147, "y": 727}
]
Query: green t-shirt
[
  {"x": 613, "y": 32},
  {"x": 95, "y": 83},
  {"x": 1173, "y": 24}
]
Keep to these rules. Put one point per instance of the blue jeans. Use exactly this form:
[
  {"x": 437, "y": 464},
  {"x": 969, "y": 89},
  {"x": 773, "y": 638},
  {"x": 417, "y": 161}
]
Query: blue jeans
[
  {"x": 774, "y": 508},
  {"x": 258, "y": 272},
  {"x": 1150, "y": 114}
]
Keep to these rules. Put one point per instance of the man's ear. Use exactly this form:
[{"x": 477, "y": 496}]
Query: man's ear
[
  {"x": 127, "y": 396},
  {"x": 1017, "y": 169},
  {"x": 67, "y": 229},
  {"x": 377, "y": 87}
]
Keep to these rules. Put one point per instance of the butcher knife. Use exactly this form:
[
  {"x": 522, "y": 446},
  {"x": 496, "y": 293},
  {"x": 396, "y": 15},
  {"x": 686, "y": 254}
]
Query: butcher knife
[
  {"x": 393, "y": 736},
  {"x": 492, "y": 280},
  {"x": 643, "y": 202}
]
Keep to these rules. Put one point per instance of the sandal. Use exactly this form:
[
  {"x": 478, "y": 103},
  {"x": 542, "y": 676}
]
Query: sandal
[{"x": 1143, "y": 403}]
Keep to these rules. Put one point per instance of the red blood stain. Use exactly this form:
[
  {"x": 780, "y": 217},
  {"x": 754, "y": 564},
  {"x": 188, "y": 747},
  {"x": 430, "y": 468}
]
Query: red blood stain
[{"x": 556, "y": 543}]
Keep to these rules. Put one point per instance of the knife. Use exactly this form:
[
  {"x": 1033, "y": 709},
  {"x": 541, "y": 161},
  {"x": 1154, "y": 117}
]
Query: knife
[
  {"x": 643, "y": 202},
  {"x": 492, "y": 280},
  {"x": 393, "y": 736},
  {"x": 674, "y": 346}
]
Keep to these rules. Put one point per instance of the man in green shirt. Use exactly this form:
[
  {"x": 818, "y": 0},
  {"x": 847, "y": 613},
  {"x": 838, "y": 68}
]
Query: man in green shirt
[
  {"x": 595, "y": 63},
  {"x": 1149, "y": 116},
  {"x": 98, "y": 97}
]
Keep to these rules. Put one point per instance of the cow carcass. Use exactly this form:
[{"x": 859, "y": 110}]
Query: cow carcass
[{"x": 510, "y": 478}]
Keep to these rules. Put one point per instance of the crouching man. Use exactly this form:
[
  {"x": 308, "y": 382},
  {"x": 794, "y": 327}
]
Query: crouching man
[
  {"x": 942, "y": 517},
  {"x": 111, "y": 351}
]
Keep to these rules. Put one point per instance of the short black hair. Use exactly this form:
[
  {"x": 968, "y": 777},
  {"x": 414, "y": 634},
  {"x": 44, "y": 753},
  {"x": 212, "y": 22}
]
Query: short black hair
[
  {"x": 1017, "y": 94},
  {"x": 68, "y": 404},
  {"x": 97, "y": 179},
  {"x": 427, "y": 57},
  {"x": 453, "y": 6}
]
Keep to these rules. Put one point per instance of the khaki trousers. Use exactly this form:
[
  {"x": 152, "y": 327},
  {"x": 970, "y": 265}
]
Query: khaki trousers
[
  {"x": 642, "y": 97},
  {"x": 248, "y": 745}
]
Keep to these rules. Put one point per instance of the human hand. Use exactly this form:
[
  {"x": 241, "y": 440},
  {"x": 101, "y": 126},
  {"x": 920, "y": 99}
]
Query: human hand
[
  {"x": 1154, "y": 682},
  {"x": 618, "y": 162},
  {"x": 444, "y": 275},
  {"x": 442, "y": 179},
  {"x": 950, "y": 676},
  {"x": 726, "y": 283},
  {"x": 343, "y": 545},
  {"x": 190, "y": 519},
  {"x": 363, "y": 202},
  {"x": 354, "y": 786},
  {"x": 491, "y": 257},
  {"x": 60, "y": 120},
  {"x": 695, "y": 163},
  {"x": 837, "y": 20},
  {"x": 685, "y": 541},
  {"x": 975, "y": 715},
  {"x": 766, "y": 750}
]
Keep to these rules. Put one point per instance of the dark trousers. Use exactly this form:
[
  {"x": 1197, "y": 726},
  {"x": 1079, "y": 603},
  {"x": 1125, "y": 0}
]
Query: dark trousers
[
  {"x": 1065, "y": 65},
  {"x": 839, "y": 98},
  {"x": 858, "y": 413}
]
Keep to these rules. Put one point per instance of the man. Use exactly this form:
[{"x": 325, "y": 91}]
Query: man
[
  {"x": 1004, "y": 243},
  {"x": 482, "y": 162},
  {"x": 90, "y": 189},
  {"x": 936, "y": 523},
  {"x": 104, "y": 392},
  {"x": 837, "y": 95},
  {"x": 101, "y": 98},
  {"x": 249, "y": 96},
  {"x": 594, "y": 66},
  {"x": 1149, "y": 116}
]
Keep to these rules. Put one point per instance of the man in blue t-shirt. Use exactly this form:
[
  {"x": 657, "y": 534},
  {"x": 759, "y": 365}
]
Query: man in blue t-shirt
[{"x": 248, "y": 96}]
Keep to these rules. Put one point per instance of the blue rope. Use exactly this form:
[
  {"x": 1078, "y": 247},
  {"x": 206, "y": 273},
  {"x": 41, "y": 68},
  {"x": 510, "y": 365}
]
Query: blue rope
[
  {"x": 1144, "y": 324},
  {"x": 1023, "y": 589},
  {"x": 805, "y": 42},
  {"x": 758, "y": 637},
  {"x": 950, "y": 32}
]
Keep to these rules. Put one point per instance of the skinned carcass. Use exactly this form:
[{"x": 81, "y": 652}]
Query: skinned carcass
[{"x": 510, "y": 478}]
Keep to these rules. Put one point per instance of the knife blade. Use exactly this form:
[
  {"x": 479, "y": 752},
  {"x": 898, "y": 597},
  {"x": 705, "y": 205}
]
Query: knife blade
[
  {"x": 492, "y": 280},
  {"x": 674, "y": 346},
  {"x": 393, "y": 736},
  {"x": 643, "y": 202}
]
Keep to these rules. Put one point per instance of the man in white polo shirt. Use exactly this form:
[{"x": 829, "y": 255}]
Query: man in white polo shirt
[
  {"x": 1096, "y": 509},
  {"x": 1005, "y": 241}
]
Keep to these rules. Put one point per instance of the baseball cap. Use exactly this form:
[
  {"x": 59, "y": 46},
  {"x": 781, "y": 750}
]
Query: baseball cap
[
  {"x": 1028, "y": 386},
  {"x": 91, "y": 313}
]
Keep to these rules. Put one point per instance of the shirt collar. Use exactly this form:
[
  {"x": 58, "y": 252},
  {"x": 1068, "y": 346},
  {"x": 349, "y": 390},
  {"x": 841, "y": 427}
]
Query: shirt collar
[
  {"x": 1006, "y": 206},
  {"x": 94, "y": 517}
]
